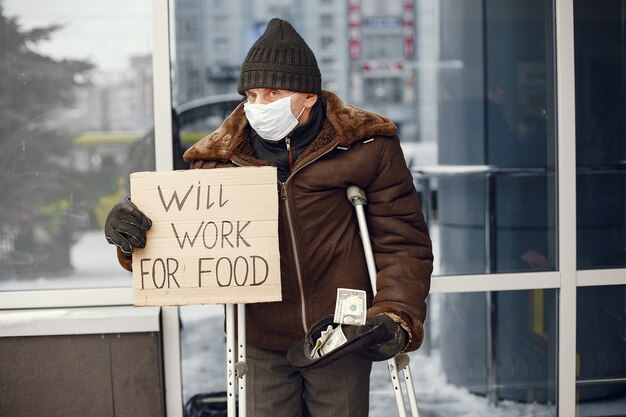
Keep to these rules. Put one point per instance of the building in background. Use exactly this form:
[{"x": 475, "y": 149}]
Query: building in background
[
  {"x": 120, "y": 101},
  {"x": 210, "y": 43},
  {"x": 322, "y": 23},
  {"x": 365, "y": 49},
  {"x": 381, "y": 37}
]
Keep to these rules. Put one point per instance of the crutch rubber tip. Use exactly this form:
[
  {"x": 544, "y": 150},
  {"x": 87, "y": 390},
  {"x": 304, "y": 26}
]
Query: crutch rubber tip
[
  {"x": 356, "y": 195},
  {"x": 241, "y": 368}
]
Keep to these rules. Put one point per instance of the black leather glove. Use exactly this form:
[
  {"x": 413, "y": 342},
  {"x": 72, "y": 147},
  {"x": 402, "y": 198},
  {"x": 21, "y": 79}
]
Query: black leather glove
[
  {"x": 387, "y": 349},
  {"x": 126, "y": 227},
  {"x": 358, "y": 339}
]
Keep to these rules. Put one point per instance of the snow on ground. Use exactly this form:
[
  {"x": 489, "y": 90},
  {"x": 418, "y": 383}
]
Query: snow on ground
[{"x": 203, "y": 367}]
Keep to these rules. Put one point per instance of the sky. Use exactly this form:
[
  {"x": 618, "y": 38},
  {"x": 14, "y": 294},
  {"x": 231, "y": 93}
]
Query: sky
[{"x": 105, "y": 32}]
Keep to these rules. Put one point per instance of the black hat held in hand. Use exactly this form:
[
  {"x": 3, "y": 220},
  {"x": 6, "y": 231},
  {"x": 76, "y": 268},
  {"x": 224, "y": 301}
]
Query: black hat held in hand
[{"x": 359, "y": 339}]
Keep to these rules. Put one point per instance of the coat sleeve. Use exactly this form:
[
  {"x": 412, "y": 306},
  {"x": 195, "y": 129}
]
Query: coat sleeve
[{"x": 401, "y": 244}]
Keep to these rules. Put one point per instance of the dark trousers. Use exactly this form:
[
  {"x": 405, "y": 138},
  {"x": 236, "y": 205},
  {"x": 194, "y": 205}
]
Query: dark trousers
[{"x": 274, "y": 388}]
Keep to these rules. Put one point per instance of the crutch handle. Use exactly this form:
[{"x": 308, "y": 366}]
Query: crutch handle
[
  {"x": 402, "y": 361},
  {"x": 356, "y": 195}
]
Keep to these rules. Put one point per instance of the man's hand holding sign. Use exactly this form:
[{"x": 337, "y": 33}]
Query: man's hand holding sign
[{"x": 214, "y": 237}]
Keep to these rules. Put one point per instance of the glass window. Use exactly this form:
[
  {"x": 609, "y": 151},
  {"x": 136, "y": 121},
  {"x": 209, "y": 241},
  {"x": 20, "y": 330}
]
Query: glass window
[
  {"x": 600, "y": 47},
  {"x": 601, "y": 351},
  {"x": 326, "y": 21},
  {"x": 385, "y": 90},
  {"x": 485, "y": 151},
  {"x": 76, "y": 93},
  {"x": 203, "y": 347},
  {"x": 382, "y": 45},
  {"x": 328, "y": 43},
  {"x": 221, "y": 45},
  {"x": 485, "y": 354},
  {"x": 470, "y": 86}
]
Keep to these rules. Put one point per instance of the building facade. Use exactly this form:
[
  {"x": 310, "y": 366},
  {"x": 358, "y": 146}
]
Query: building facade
[{"x": 512, "y": 121}]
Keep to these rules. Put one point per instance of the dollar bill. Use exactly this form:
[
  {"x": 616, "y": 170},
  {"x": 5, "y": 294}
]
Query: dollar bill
[
  {"x": 350, "y": 307},
  {"x": 329, "y": 339},
  {"x": 320, "y": 341},
  {"x": 336, "y": 339}
]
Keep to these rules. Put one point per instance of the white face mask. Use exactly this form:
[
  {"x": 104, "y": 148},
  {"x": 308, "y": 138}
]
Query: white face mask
[{"x": 272, "y": 121}]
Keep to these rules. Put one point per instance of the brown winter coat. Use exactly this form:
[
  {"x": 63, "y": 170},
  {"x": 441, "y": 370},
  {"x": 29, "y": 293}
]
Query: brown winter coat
[{"x": 319, "y": 238}]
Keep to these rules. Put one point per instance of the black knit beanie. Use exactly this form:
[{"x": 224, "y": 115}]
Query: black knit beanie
[{"x": 280, "y": 59}]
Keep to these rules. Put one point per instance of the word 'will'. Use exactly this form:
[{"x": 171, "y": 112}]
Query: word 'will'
[{"x": 202, "y": 198}]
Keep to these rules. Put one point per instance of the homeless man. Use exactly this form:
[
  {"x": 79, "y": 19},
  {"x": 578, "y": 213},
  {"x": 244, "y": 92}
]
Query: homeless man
[{"x": 320, "y": 146}]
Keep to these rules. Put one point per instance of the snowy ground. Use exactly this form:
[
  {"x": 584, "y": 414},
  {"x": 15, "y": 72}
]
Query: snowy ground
[
  {"x": 203, "y": 363},
  {"x": 203, "y": 366}
]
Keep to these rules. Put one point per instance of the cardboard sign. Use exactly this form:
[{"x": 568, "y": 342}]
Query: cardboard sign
[{"x": 213, "y": 240}]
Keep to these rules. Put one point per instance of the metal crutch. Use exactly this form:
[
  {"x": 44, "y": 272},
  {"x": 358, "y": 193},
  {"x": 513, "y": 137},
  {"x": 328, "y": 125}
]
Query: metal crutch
[
  {"x": 236, "y": 367},
  {"x": 401, "y": 362}
]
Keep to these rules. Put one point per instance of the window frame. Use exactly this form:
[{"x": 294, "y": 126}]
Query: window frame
[{"x": 566, "y": 279}]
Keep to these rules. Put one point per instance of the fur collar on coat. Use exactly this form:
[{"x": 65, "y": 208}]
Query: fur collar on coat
[{"x": 345, "y": 124}]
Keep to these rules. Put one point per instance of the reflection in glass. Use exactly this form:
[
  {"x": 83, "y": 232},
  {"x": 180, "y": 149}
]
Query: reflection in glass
[
  {"x": 600, "y": 51},
  {"x": 470, "y": 85},
  {"x": 601, "y": 351},
  {"x": 501, "y": 345},
  {"x": 494, "y": 186},
  {"x": 203, "y": 350},
  {"x": 475, "y": 109},
  {"x": 197, "y": 118},
  {"x": 76, "y": 100}
]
